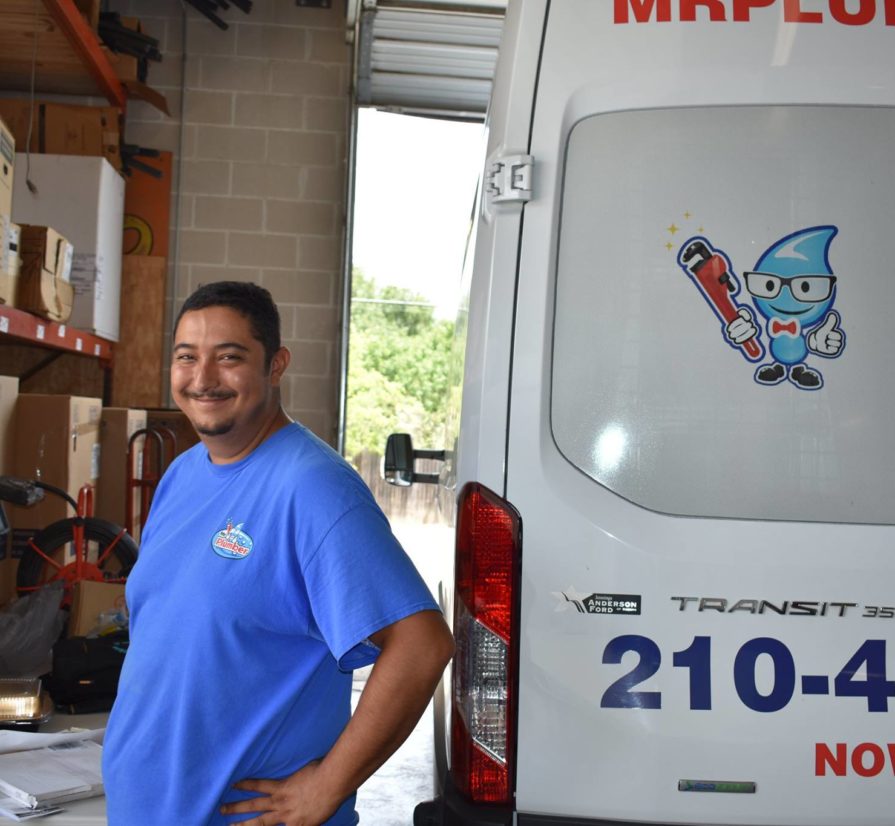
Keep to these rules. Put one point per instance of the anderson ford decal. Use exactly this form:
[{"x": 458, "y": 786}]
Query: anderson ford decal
[{"x": 598, "y": 602}]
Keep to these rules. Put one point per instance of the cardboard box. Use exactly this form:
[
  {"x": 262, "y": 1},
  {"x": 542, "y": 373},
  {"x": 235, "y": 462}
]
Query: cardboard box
[
  {"x": 9, "y": 569},
  {"x": 125, "y": 65},
  {"x": 117, "y": 425},
  {"x": 143, "y": 279},
  {"x": 57, "y": 441},
  {"x": 89, "y": 600},
  {"x": 9, "y": 391},
  {"x": 82, "y": 197},
  {"x": 176, "y": 421},
  {"x": 44, "y": 284},
  {"x": 147, "y": 209},
  {"x": 64, "y": 129},
  {"x": 10, "y": 260}
]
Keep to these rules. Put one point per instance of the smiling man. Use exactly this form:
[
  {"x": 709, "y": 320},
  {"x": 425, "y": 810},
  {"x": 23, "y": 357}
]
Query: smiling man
[{"x": 266, "y": 575}]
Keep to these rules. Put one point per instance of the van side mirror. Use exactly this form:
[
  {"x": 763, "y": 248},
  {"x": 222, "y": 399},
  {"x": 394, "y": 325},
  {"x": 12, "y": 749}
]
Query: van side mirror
[{"x": 397, "y": 464}]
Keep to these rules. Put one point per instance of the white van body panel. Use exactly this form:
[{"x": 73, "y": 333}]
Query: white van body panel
[
  {"x": 492, "y": 291},
  {"x": 576, "y": 757}
]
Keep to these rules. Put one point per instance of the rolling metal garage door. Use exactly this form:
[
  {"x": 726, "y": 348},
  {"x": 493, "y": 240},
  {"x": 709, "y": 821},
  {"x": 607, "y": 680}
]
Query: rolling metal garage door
[{"x": 435, "y": 57}]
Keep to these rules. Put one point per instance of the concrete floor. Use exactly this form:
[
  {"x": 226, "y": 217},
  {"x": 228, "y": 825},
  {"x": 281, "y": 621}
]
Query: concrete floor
[
  {"x": 389, "y": 796},
  {"x": 407, "y": 778}
]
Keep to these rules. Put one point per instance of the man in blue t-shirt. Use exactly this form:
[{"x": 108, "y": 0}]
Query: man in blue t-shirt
[{"x": 266, "y": 574}]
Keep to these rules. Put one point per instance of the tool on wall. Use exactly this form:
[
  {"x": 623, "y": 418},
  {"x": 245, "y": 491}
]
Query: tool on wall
[
  {"x": 130, "y": 159},
  {"x": 209, "y": 9},
  {"x": 125, "y": 39}
]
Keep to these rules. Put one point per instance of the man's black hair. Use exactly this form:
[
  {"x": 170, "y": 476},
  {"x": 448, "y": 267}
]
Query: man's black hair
[{"x": 250, "y": 301}]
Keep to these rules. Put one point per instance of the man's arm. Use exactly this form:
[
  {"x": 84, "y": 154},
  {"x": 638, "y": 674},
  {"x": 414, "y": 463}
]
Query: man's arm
[{"x": 414, "y": 652}]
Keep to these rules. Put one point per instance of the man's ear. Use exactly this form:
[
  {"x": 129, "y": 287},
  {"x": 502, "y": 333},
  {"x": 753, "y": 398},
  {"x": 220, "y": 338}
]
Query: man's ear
[{"x": 278, "y": 364}]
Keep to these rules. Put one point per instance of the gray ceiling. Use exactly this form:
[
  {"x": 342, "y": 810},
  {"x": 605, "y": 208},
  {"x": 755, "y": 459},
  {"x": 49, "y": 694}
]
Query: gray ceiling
[{"x": 431, "y": 57}]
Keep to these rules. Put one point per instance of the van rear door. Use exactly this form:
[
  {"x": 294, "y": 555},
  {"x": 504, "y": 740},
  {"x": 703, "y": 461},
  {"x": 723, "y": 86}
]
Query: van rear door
[{"x": 700, "y": 439}]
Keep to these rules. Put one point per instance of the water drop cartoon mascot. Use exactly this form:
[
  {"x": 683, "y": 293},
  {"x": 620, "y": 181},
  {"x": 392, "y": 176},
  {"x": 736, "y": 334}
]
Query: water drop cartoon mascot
[{"x": 793, "y": 287}]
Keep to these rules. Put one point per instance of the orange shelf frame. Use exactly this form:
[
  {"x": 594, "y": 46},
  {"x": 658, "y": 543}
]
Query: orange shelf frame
[
  {"x": 68, "y": 59},
  {"x": 84, "y": 41},
  {"x": 19, "y": 326}
]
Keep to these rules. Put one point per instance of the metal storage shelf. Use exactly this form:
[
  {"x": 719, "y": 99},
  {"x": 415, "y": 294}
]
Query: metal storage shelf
[
  {"x": 20, "y": 327},
  {"x": 53, "y": 38},
  {"x": 69, "y": 60}
]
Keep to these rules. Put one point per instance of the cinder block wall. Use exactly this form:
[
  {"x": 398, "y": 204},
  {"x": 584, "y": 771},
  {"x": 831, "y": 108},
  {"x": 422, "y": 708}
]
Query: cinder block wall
[{"x": 262, "y": 194}]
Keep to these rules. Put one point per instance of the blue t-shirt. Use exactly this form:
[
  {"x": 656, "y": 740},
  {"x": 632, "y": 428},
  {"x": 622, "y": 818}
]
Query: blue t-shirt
[{"x": 256, "y": 589}]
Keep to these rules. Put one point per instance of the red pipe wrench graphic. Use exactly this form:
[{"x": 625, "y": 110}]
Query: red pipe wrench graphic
[{"x": 712, "y": 273}]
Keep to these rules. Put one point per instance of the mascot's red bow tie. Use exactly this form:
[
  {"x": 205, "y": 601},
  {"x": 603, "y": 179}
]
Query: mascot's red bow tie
[{"x": 778, "y": 327}]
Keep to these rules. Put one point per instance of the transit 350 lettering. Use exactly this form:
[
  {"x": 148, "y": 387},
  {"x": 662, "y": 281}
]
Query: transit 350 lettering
[{"x": 787, "y": 607}]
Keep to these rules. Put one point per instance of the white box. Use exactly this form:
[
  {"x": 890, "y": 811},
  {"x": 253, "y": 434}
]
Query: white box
[
  {"x": 7, "y": 159},
  {"x": 10, "y": 260},
  {"x": 83, "y": 198}
]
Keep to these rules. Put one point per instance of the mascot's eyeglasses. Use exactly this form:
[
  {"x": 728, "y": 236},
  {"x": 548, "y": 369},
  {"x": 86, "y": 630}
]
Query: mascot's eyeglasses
[{"x": 811, "y": 288}]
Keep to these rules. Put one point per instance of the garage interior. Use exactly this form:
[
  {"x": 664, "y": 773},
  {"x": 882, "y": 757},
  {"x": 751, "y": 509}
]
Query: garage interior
[
  {"x": 222, "y": 134},
  {"x": 232, "y": 136}
]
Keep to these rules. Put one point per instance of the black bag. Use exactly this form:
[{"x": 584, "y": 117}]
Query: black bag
[{"x": 86, "y": 671}]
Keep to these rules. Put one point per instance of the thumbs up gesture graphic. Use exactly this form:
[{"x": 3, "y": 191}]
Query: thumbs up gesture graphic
[{"x": 827, "y": 340}]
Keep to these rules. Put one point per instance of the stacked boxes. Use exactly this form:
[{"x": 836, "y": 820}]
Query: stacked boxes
[
  {"x": 69, "y": 441},
  {"x": 10, "y": 262},
  {"x": 45, "y": 282},
  {"x": 65, "y": 441},
  {"x": 63, "y": 129},
  {"x": 7, "y": 168},
  {"x": 57, "y": 442},
  {"x": 82, "y": 198},
  {"x": 118, "y": 424},
  {"x": 8, "y": 240}
]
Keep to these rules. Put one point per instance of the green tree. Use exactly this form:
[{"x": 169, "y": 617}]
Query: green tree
[{"x": 398, "y": 367}]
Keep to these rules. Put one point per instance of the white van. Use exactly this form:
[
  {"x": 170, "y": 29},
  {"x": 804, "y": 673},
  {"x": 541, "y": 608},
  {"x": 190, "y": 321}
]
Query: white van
[{"x": 675, "y": 465}]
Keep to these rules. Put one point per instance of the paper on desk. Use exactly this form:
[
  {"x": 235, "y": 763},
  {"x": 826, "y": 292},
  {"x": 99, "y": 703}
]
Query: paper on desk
[
  {"x": 18, "y": 811},
  {"x": 24, "y": 740},
  {"x": 67, "y": 771}
]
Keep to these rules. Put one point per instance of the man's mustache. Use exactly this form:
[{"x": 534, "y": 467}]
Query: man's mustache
[{"x": 212, "y": 395}]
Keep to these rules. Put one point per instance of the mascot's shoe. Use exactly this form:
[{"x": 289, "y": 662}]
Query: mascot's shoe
[
  {"x": 770, "y": 374},
  {"x": 803, "y": 377}
]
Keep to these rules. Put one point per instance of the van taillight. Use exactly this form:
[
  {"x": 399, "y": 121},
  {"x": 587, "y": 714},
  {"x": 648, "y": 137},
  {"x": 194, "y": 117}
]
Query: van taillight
[{"x": 483, "y": 712}]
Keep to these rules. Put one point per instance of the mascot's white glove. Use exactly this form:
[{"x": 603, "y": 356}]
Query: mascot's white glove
[
  {"x": 826, "y": 340},
  {"x": 742, "y": 328}
]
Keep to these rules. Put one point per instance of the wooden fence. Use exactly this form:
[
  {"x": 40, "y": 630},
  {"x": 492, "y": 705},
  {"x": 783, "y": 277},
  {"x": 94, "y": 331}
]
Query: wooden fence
[{"x": 417, "y": 502}]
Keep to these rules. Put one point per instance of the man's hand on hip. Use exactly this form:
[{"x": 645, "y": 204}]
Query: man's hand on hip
[
  {"x": 297, "y": 800},
  {"x": 413, "y": 653}
]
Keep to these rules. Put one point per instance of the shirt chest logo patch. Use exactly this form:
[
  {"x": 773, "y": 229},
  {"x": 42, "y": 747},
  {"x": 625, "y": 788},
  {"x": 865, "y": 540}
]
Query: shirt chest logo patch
[{"x": 232, "y": 542}]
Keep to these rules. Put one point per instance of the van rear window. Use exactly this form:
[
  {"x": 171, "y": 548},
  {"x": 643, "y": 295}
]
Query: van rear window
[{"x": 725, "y": 311}]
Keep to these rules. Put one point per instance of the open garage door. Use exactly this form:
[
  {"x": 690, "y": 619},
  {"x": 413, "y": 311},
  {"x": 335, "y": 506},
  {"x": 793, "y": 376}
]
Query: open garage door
[{"x": 433, "y": 57}]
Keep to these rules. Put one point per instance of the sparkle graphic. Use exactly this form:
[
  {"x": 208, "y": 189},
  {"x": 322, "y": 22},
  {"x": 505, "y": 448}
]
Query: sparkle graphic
[{"x": 674, "y": 229}]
